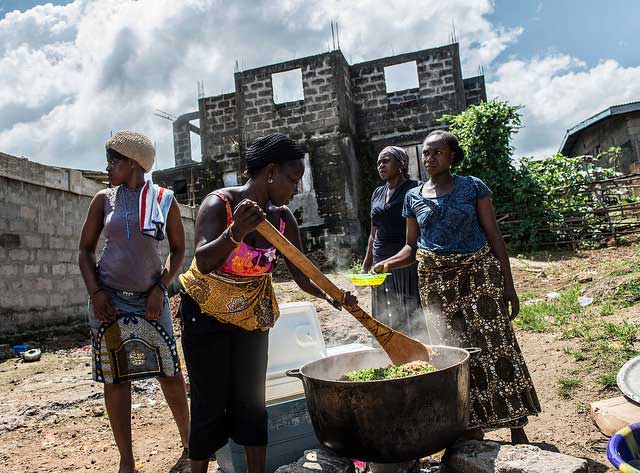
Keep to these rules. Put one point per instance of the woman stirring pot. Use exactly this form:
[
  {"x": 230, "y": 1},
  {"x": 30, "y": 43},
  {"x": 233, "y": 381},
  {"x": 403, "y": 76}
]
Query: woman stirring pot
[{"x": 229, "y": 304}]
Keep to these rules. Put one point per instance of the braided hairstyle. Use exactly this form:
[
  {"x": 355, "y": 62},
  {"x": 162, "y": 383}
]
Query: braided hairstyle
[{"x": 274, "y": 148}]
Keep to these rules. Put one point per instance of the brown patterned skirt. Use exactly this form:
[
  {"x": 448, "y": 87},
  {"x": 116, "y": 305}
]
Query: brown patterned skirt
[{"x": 462, "y": 297}]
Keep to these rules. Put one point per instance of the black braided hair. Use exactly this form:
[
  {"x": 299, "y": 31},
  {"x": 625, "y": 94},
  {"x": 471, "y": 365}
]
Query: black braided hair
[
  {"x": 274, "y": 148},
  {"x": 450, "y": 140}
]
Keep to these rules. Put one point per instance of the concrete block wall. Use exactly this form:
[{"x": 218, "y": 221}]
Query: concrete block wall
[
  {"x": 40, "y": 282},
  {"x": 180, "y": 177},
  {"x": 475, "y": 90},
  {"x": 182, "y": 129},
  {"x": 221, "y": 141},
  {"x": 219, "y": 124},
  {"x": 407, "y": 114},
  {"x": 42, "y": 210},
  {"x": 344, "y": 89},
  {"x": 316, "y": 115}
]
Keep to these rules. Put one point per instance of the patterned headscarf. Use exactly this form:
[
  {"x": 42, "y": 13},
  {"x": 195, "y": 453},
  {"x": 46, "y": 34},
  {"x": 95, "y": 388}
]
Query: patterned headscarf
[{"x": 400, "y": 155}]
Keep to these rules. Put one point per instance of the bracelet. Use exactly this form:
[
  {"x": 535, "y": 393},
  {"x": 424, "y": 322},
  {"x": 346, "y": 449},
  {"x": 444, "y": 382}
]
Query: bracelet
[{"x": 233, "y": 240}]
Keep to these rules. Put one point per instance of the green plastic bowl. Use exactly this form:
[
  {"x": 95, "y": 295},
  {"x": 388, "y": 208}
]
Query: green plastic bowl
[{"x": 367, "y": 279}]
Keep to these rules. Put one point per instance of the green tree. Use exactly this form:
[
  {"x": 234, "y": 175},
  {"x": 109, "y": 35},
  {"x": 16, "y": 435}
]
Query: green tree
[{"x": 485, "y": 133}]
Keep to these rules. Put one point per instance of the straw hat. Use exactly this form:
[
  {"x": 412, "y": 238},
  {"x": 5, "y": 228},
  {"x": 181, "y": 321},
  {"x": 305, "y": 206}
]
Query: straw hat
[{"x": 134, "y": 146}]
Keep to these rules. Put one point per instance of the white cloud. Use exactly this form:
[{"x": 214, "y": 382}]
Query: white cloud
[
  {"x": 73, "y": 73},
  {"x": 558, "y": 92},
  {"x": 370, "y": 28}
]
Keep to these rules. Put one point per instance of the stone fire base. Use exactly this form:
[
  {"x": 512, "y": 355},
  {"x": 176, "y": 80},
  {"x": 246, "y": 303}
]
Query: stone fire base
[
  {"x": 491, "y": 457},
  {"x": 319, "y": 461},
  {"x": 473, "y": 456}
]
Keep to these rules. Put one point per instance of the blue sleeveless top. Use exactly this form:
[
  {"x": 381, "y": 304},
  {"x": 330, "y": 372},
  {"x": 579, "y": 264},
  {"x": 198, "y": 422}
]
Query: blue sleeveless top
[{"x": 449, "y": 223}]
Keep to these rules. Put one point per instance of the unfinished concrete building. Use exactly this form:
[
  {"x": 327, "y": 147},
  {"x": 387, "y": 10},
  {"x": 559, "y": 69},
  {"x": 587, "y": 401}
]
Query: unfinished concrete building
[{"x": 342, "y": 116}]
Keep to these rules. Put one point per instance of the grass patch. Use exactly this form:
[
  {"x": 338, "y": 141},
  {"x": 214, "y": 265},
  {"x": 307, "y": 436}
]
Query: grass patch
[
  {"x": 577, "y": 355},
  {"x": 600, "y": 345},
  {"x": 628, "y": 293},
  {"x": 606, "y": 346},
  {"x": 608, "y": 380},
  {"x": 525, "y": 296},
  {"x": 609, "y": 307},
  {"x": 541, "y": 316},
  {"x": 626, "y": 266},
  {"x": 568, "y": 386}
]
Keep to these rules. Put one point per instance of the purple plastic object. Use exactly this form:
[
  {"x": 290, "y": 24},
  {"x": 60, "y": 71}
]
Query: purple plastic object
[{"x": 622, "y": 449}]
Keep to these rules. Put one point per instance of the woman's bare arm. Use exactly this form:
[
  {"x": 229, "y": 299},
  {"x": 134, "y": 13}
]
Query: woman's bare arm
[
  {"x": 89, "y": 236},
  {"x": 368, "y": 257},
  {"x": 407, "y": 255}
]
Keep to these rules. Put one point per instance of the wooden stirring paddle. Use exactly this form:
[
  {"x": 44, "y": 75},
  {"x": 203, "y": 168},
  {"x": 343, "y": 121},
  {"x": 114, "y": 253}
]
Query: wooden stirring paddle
[{"x": 400, "y": 348}]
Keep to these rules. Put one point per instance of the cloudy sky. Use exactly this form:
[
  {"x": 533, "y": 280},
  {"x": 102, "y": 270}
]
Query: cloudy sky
[{"x": 72, "y": 71}]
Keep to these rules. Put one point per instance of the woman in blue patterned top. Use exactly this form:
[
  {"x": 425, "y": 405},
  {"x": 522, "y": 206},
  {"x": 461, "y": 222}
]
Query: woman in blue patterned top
[{"x": 466, "y": 286}]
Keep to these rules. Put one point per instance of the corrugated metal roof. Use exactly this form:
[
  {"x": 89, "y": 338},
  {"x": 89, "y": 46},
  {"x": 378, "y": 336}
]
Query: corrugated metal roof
[{"x": 571, "y": 135}]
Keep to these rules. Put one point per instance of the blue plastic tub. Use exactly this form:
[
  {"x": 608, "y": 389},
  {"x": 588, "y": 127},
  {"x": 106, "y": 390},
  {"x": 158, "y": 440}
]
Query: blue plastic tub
[
  {"x": 623, "y": 449},
  {"x": 19, "y": 349}
]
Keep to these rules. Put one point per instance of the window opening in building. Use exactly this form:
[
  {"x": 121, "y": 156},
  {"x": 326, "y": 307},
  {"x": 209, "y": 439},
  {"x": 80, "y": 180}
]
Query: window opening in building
[
  {"x": 401, "y": 76},
  {"x": 306, "y": 183},
  {"x": 230, "y": 179},
  {"x": 196, "y": 150},
  {"x": 180, "y": 186},
  {"x": 416, "y": 167},
  {"x": 287, "y": 86}
]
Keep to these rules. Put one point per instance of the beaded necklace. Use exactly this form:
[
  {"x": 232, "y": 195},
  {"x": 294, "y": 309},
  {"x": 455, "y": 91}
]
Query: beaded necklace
[{"x": 127, "y": 230}]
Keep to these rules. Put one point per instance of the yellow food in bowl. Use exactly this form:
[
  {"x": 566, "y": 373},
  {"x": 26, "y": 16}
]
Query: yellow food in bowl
[{"x": 367, "y": 279}]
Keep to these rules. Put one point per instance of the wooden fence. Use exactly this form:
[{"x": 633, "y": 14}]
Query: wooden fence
[{"x": 608, "y": 209}]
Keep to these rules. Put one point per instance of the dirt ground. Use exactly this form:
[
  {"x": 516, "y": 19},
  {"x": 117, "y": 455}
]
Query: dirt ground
[{"x": 53, "y": 418}]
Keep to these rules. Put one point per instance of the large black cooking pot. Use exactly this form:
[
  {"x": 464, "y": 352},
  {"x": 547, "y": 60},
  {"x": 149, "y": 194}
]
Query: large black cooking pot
[{"x": 387, "y": 421}]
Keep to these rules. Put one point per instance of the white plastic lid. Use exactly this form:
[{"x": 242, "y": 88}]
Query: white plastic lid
[{"x": 295, "y": 339}]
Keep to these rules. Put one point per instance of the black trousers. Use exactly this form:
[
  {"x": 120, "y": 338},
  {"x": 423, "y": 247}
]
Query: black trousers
[{"x": 227, "y": 368}]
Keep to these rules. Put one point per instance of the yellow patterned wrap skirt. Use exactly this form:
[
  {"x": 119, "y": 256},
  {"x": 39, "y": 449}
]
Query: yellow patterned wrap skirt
[{"x": 246, "y": 301}]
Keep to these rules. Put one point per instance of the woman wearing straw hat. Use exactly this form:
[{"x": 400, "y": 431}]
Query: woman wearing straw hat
[{"x": 129, "y": 315}]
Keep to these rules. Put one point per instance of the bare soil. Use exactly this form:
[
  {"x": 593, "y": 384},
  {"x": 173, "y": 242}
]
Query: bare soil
[{"x": 53, "y": 418}]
